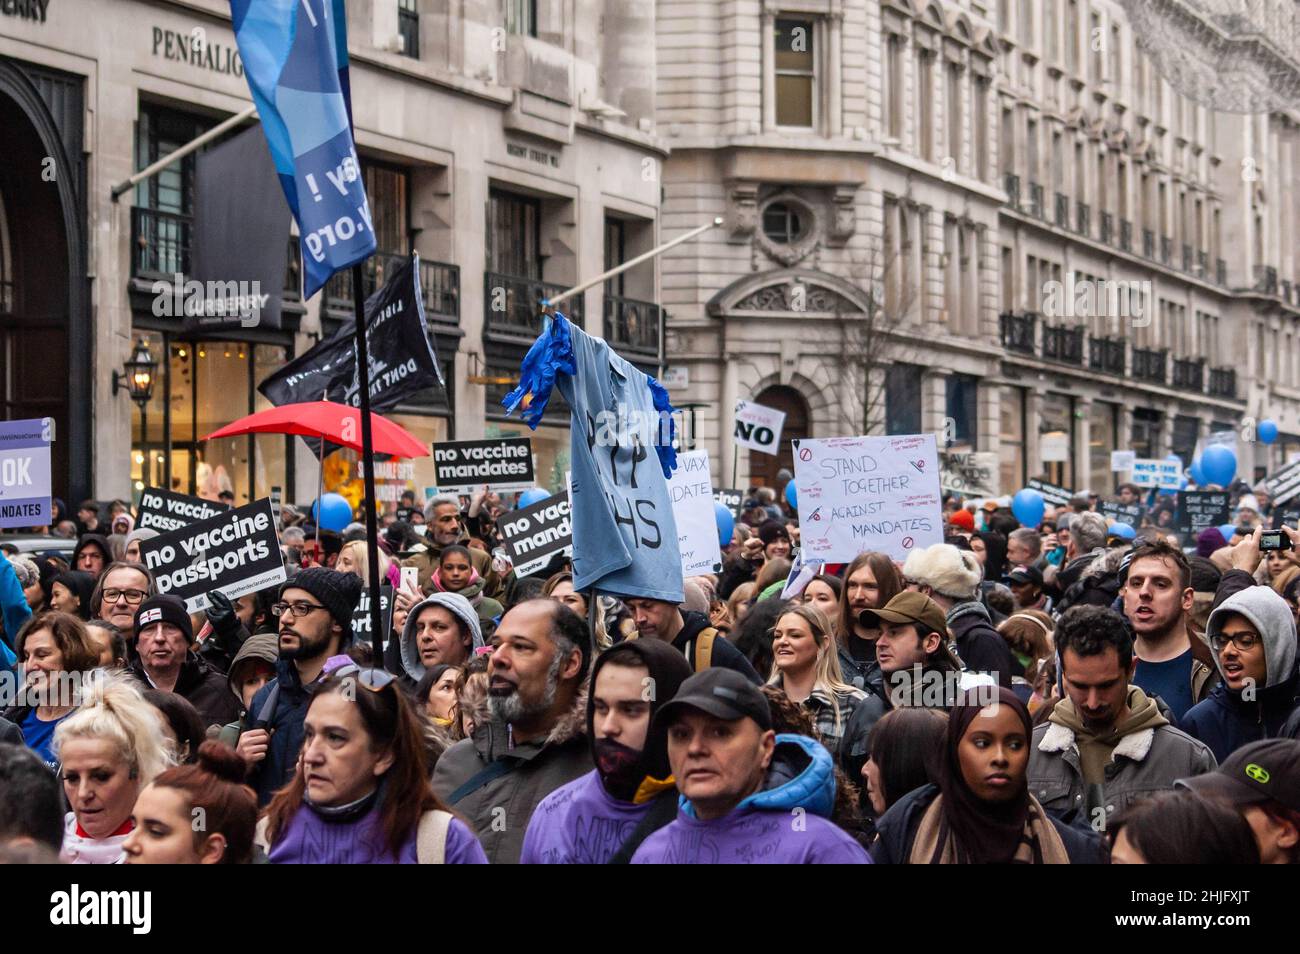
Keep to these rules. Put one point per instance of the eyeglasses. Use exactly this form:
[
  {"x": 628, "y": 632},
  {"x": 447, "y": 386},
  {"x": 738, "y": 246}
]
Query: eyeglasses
[
  {"x": 132, "y": 597},
  {"x": 1245, "y": 642},
  {"x": 375, "y": 680},
  {"x": 297, "y": 609}
]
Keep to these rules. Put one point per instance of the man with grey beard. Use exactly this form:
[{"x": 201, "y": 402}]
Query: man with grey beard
[{"x": 536, "y": 739}]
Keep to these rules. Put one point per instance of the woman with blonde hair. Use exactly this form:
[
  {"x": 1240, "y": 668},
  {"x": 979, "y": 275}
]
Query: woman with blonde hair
[
  {"x": 354, "y": 558},
  {"x": 805, "y": 665},
  {"x": 112, "y": 746}
]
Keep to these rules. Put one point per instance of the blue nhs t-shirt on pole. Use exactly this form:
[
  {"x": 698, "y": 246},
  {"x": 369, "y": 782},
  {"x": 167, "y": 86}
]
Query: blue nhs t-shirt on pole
[{"x": 624, "y": 534}]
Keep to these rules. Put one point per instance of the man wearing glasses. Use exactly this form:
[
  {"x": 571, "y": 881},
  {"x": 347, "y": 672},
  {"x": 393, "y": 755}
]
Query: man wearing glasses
[
  {"x": 119, "y": 593},
  {"x": 315, "y": 622}
]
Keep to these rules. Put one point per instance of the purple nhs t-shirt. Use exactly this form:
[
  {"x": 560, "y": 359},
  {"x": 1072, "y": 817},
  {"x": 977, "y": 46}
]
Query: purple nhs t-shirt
[
  {"x": 310, "y": 840},
  {"x": 580, "y": 824},
  {"x": 747, "y": 836}
]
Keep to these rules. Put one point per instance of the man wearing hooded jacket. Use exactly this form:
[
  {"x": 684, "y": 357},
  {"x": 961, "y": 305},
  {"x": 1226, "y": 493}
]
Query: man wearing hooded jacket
[{"x": 604, "y": 816}]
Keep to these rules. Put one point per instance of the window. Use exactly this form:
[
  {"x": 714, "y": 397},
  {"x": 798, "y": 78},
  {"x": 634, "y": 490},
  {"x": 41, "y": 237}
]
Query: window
[
  {"x": 386, "y": 189},
  {"x": 785, "y": 223},
  {"x": 954, "y": 115},
  {"x": 894, "y": 76},
  {"x": 1012, "y": 444},
  {"x": 514, "y": 237},
  {"x": 982, "y": 128},
  {"x": 1056, "y": 438},
  {"x": 521, "y": 17},
  {"x": 1113, "y": 53},
  {"x": 1031, "y": 149},
  {"x": 962, "y": 405},
  {"x": 1072, "y": 36},
  {"x": 165, "y": 202},
  {"x": 1103, "y": 420},
  {"x": 408, "y": 26},
  {"x": 1095, "y": 45},
  {"x": 615, "y": 254},
  {"x": 796, "y": 73},
  {"x": 924, "y": 103},
  {"x": 1026, "y": 24},
  {"x": 1051, "y": 31},
  {"x": 903, "y": 399}
]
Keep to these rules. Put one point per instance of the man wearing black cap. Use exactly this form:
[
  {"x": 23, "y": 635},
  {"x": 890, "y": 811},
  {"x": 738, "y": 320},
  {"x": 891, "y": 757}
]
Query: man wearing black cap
[
  {"x": 164, "y": 660},
  {"x": 536, "y": 740},
  {"x": 749, "y": 795},
  {"x": 315, "y": 622},
  {"x": 602, "y": 817},
  {"x": 1027, "y": 589},
  {"x": 1261, "y": 781}
]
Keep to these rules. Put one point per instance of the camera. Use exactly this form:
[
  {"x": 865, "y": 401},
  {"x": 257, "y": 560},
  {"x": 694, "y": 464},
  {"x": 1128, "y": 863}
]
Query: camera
[{"x": 1274, "y": 540}]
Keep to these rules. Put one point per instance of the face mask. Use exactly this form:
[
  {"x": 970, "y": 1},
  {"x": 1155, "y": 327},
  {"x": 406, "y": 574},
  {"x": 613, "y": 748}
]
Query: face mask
[{"x": 619, "y": 767}]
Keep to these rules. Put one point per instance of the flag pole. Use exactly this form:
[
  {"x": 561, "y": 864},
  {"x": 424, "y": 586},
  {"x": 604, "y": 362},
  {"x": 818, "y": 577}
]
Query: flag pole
[
  {"x": 198, "y": 142},
  {"x": 368, "y": 469}
]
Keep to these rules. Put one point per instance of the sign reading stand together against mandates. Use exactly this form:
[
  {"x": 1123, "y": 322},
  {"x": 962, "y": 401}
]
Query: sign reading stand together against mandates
[
  {"x": 867, "y": 493},
  {"x": 25, "y": 472},
  {"x": 236, "y": 552}
]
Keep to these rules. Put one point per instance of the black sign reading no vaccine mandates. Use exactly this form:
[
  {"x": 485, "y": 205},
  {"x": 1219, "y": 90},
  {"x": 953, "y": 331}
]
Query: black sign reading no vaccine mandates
[
  {"x": 1052, "y": 494},
  {"x": 462, "y": 467},
  {"x": 535, "y": 534},
  {"x": 165, "y": 511},
  {"x": 236, "y": 552}
]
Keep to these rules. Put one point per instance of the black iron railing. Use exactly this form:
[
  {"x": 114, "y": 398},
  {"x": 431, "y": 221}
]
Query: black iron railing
[
  {"x": 1150, "y": 365},
  {"x": 1062, "y": 210},
  {"x": 1126, "y": 235},
  {"x": 1187, "y": 257},
  {"x": 160, "y": 243},
  {"x": 1202, "y": 263},
  {"x": 1266, "y": 279},
  {"x": 1223, "y": 382},
  {"x": 1106, "y": 355},
  {"x": 1166, "y": 249},
  {"x": 512, "y": 305},
  {"x": 1063, "y": 344},
  {"x": 439, "y": 281},
  {"x": 1107, "y": 228},
  {"x": 408, "y": 26},
  {"x": 1221, "y": 271},
  {"x": 1018, "y": 331},
  {"x": 1036, "y": 200},
  {"x": 1082, "y": 218},
  {"x": 632, "y": 324},
  {"x": 1148, "y": 243},
  {"x": 1189, "y": 374},
  {"x": 1011, "y": 186}
]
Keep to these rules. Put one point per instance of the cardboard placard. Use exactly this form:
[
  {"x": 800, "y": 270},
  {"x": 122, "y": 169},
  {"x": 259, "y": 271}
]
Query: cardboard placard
[
  {"x": 1122, "y": 460},
  {"x": 236, "y": 552},
  {"x": 505, "y": 463},
  {"x": 971, "y": 474},
  {"x": 361, "y": 615},
  {"x": 1200, "y": 509},
  {"x": 758, "y": 427},
  {"x": 1286, "y": 516},
  {"x": 165, "y": 511},
  {"x": 534, "y": 535},
  {"x": 1052, "y": 494},
  {"x": 691, "y": 491},
  {"x": 868, "y": 493},
  {"x": 1150, "y": 472},
  {"x": 25, "y": 479},
  {"x": 1285, "y": 484}
]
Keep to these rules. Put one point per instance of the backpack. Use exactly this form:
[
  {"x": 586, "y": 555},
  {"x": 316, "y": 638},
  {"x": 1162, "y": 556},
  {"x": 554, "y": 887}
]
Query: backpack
[{"x": 700, "y": 649}]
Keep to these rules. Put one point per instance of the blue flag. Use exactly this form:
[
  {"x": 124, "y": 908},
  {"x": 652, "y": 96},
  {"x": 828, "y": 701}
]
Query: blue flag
[{"x": 295, "y": 55}]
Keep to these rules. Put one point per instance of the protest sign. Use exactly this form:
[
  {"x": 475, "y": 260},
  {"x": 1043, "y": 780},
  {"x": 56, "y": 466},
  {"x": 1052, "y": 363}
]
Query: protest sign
[
  {"x": 691, "y": 492},
  {"x": 731, "y": 499},
  {"x": 361, "y": 615},
  {"x": 1053, "y": 447},
  {"x": 1201, "y": 509},
  {"x": 971, "y": 474},
  {"x": 25, "y": 472},
  {"x": 1122, "y": 460},
  {"x": 1053, "y": 495},
  {"x": 1129, "y": 514},
  {"x": 1149, "y": 472},
  {"x": 759, "y": 427},
  {"x": 462, "y": 467},
  {"x": 236, "y": 552},
  {"x": 1285, "y": 484},
  {"x": 165, "y": 511},
  {"x": 868, "y": 493},
  {"x": 404, "y": 513},
  {"x": 1289, "y": 517},
  {"x": 534, "y": 535},
  {"x": 277, "y": 495}
]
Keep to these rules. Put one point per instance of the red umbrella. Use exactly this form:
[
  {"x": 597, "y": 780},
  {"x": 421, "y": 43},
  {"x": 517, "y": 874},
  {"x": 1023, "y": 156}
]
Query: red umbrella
[{"x": 337, "y": 423}]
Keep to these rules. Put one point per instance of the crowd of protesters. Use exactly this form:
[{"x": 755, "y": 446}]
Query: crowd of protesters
[{"x": 1073, "y": 692}]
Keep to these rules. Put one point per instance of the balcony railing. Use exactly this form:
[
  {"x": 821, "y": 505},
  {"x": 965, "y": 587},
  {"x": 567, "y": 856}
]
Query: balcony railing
[
  {"x": 1063, "y": 344},
  {"x": 1150, "y": 365},
  {"x": 1018, "y": 331},
  {"x": 1202, "y": 263},
  {"x": 1266, "y": 279},
  {"x": 1107, "y": 228},
  {"x": 1062, "y": 210},
  {"x": 439, "y": 282},
  {"x": 1187, "y": 257},
  {"x": 1036, "y": 201},
  {"x": 1148, "y": 243},
  {"x": 1189, "y": 374},
  {"x": 408, "y": 26},
  {"x": 1288, "y": 292},
  {"x": 1011, "y": 186},
  {"x": 160, "y": 243},
  {"x": 1082, "y": 213},
  {"x": 1223, "y": 382},
  {"x": 1166, "y": 249},
  {"x": 1126, "y": 235},
  {"x": 441, "y": 285},
  {"x": 632, "y": 324},
  {"x": 512, "y": 305},
  {"x": 1221, "y": 271},
  {"x": 1106, "y": 355}
]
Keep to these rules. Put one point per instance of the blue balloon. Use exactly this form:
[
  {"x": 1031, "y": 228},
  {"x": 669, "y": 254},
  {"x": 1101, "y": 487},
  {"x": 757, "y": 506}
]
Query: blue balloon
[
  {"x": 1122, "y": 530},
  {"x": 1227, "y": 530},
  {"x": 726, "y": 521},
  {"x": 1219, "y": 464},
  {"x": 792, "y": 495},
  {"x": 531, "y": 496},
  {"x": 332, "y": 512},
  {"x": 1197, "y": 475},
  {"x": 1267, "y": 431},
  {"x": 1028, "y": 507},
  {"x": 1176, "y": 459}
]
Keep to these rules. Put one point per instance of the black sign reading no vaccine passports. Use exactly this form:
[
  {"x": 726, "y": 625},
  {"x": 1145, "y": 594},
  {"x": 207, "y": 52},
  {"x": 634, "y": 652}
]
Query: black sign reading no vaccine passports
[{"x": 236, "y": 552}]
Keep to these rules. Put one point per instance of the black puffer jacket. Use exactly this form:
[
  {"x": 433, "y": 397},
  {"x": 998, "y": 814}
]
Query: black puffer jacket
[
  {"x": 980, "y": 646},
  {"x": 202, "y": 686}
]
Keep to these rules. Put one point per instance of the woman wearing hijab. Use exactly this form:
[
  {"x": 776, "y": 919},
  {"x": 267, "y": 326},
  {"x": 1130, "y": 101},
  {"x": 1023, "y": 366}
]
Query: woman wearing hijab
[{"x": 982, "y": 811}]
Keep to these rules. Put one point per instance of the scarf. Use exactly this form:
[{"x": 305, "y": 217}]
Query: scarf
[
  {"x": 472, "y": 591},
  {"x": 1037, "y": 841},
  {"x": 980, "y": 832}
]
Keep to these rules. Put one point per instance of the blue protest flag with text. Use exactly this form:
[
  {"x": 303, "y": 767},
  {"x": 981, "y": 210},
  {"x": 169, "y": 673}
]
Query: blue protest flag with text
[{"x": 295, "y": 55}]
